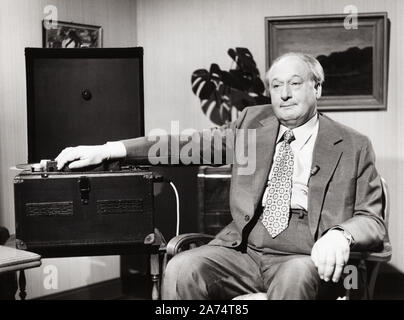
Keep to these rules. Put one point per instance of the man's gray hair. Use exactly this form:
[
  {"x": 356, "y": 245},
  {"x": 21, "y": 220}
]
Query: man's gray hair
[{"x": 316, "y": 70}]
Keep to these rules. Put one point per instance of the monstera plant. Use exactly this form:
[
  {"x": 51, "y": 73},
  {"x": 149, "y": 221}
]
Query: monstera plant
[{"x": 224, "y": 93}]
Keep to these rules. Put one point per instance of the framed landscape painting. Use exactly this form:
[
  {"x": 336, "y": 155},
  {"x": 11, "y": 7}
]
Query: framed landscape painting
[{"x": 354, "y": 58}]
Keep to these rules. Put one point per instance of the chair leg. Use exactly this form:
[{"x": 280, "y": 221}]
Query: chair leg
[
  {"x": 363, "y": 279},
  {"x": 347, "y": 294},
  {"x": 360, "y": 291},
  {"x": 372, "y": 279},
  {"x": 22, "y": 282},
  {"x": 155, "y": 275}
]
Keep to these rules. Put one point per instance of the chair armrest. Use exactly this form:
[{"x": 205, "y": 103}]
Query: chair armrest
[
  {"x": 178, "y": 243},
  {"x": 380, "y": 256}
]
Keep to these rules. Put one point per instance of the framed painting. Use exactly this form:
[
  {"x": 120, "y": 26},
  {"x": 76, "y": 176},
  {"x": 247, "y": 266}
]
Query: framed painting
[
  {"x": 60, "y": 34},
  {"x": 354, "y": 56}
]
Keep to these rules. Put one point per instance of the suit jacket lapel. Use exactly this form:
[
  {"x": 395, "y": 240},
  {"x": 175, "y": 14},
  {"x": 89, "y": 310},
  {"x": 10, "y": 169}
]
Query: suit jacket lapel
[
  {"x": 265, "y": 148},
  {"x": 326, "y": 155}
]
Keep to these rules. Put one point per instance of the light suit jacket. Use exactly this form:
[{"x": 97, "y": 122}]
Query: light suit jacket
[{"x": 345, "y": 191}]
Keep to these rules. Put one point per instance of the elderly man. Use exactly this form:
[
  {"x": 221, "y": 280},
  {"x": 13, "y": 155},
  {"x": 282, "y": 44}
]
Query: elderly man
[{"x": 314, "y": 195}]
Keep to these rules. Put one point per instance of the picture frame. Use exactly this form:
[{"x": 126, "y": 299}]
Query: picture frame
[
  {"x": 355, "y": 60},
  {"x": 61, "y": 34}
]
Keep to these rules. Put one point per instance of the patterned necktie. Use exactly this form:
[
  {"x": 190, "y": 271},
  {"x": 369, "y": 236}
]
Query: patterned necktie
[{"x": 277, "y": 205}]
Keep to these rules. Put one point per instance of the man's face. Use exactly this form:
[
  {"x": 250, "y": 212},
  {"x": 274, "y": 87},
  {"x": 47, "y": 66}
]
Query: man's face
[{"x": 293, "y": 93}]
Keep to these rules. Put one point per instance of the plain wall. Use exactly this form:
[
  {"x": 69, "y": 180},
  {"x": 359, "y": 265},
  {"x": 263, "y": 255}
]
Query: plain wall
[
  {"x": 20, "y": 27},
  {"x": 181, "y": 36}
]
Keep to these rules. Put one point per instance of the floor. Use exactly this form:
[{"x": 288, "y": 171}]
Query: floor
[{"x": 389, "y": 286}]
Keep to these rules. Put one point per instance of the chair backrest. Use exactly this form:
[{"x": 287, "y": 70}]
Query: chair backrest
[{"x": 386, "y": 203}]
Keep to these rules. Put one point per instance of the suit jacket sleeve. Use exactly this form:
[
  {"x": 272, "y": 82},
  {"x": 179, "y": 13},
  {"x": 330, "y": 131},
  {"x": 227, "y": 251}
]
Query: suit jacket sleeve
[
  {"x": 210, "y": 147},
  {"x": 367, "y": 226}
]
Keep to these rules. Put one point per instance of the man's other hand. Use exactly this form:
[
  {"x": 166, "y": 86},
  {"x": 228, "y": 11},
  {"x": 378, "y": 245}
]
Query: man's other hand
[
  {"x": 330, "y": 253},
  {"x": 82, "y": 156}
]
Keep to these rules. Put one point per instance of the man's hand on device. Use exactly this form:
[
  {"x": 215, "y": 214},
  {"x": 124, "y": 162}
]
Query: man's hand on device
[{"x": 83, "y": 156}]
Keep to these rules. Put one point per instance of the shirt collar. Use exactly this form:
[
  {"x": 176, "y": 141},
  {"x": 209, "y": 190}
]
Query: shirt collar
[{"x": 302, "y": 134}]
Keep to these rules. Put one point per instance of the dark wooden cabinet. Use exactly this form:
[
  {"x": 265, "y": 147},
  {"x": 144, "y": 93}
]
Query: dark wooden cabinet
[{"x": 213, "y": 198}]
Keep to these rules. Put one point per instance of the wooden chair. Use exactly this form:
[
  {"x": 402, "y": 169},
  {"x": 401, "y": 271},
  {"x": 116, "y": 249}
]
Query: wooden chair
[
  {"x": 368, "y": 263},
  {"x": 13, "y": 259}
]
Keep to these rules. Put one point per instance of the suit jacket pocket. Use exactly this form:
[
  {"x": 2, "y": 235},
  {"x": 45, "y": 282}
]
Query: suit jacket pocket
[{"x": 227, "y": 236}]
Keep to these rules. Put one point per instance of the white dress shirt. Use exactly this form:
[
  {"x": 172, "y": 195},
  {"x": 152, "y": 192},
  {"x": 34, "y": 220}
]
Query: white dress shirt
[{"x": 302, "y": 148}]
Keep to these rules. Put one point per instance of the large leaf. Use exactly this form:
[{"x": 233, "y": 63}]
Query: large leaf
[
  {"x": 222, "y": 91},
  {"x": 202, "y": 85}
]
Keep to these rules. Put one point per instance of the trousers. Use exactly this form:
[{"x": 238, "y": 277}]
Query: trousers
[
  {"x": 281, "y": 267},
  {"x": 221, "y": 273}
]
